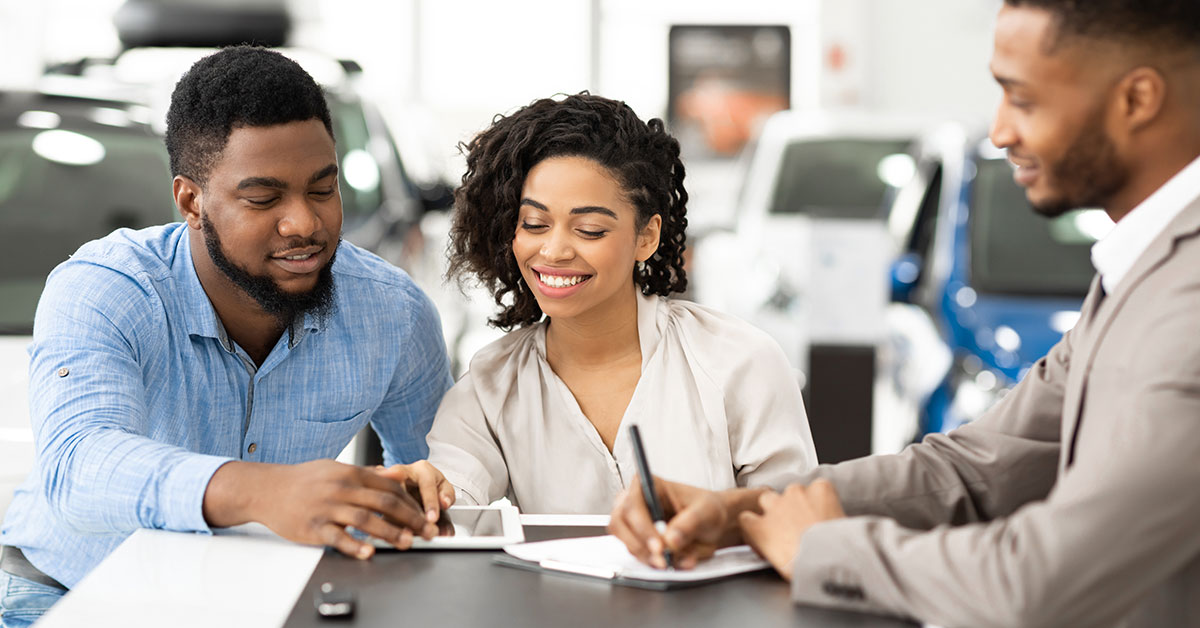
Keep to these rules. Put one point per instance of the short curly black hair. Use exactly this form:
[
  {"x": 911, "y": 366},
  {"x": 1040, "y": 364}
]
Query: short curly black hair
[
  {"x": 1172, "y": 23},
  {"x": 237, "y": 86},
  {"x": 641, "y": 156}
]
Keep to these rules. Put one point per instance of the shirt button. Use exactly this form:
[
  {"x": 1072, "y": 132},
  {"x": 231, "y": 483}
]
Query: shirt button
[
  {"x": 252, "y": 447},
  {"x": 63, "y": 372}
]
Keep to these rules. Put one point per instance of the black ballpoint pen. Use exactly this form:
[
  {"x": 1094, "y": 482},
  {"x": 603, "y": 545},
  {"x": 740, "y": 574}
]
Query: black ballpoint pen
[{"x": 656, "y": 511}]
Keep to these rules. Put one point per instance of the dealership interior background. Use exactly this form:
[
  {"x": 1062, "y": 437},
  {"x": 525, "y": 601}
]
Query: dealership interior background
[{"x": 856, "y": 290}]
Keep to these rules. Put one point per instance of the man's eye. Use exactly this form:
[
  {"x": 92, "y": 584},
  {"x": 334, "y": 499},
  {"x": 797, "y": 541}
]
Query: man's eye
[
  {"x": 261, "y": 202},
  {"x": 323, "y": 193}
]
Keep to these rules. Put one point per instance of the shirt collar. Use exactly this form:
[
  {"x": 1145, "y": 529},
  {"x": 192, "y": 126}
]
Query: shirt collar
[
  {"x": 202, "y": 318},
  {"x": 1116, "y": 253}
]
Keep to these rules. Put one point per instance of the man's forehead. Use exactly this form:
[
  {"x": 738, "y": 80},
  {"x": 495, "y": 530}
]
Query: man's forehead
[
  {"x": 298, "y": 148},
  {"x": 1027, "y": 48}
]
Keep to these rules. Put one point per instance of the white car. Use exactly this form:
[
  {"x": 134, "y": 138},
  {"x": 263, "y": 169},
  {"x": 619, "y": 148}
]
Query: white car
[{"x": 810, "y": 215}]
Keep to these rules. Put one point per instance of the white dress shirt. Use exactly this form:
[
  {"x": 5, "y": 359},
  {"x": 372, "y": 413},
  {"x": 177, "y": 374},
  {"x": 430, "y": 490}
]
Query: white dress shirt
[
  {"x": 1115, "y": 254},
  {"x": 717, "y": 404}
]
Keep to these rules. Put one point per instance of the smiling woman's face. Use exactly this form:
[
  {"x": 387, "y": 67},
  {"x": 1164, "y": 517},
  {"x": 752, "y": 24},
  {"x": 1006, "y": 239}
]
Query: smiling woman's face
[{"x": 576, "y": 239}]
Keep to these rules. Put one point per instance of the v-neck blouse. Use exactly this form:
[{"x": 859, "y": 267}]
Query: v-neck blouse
[{"x": 717, "y": 403}]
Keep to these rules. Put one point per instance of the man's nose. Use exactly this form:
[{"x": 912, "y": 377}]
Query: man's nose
[
  {"x": 1001, "y": 132},
  {"x": 298, "y": 219}
]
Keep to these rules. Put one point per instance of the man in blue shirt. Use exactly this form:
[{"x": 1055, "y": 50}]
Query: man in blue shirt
[{"x": 201, "y": 374}]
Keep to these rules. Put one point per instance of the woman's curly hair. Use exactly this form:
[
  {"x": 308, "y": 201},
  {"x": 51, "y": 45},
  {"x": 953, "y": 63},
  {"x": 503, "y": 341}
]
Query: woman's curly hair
[{"x": 641, "y": 156}]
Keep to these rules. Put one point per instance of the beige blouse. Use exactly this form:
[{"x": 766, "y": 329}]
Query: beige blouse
[{"x": 717, "y": 404}]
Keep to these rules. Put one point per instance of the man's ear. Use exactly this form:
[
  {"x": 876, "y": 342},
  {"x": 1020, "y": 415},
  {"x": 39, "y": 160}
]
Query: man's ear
[
  {"x": 187, "y": 199},
  {"x": 1141, "y": 94},
  {"x": 647, "y": 240}
]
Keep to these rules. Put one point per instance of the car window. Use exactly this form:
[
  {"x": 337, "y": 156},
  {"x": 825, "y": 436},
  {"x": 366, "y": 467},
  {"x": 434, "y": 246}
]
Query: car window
[
  {"x": 835, "y": 178},
  {"x": 61, "y": 188},
  {"x": 361, "y": 184},
  {"x": 1015, "y": 250}
]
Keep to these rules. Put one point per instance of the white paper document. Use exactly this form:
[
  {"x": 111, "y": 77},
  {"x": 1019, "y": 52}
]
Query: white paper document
[{"x": 606, "y": 557}]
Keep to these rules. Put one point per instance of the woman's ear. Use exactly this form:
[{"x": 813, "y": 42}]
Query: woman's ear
[{"x": 647, "y": 240}]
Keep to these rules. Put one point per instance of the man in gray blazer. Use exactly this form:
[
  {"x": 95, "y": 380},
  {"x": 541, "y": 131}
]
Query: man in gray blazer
[{"x": 1076, "y": 500}]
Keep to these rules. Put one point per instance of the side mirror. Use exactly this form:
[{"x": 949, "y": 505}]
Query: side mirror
[{"x": 905, "y": 272}]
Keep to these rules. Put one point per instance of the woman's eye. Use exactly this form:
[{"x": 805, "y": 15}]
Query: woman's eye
[
  {"x": 531, "y": 226},
  {"x": 592, "y": 234}
]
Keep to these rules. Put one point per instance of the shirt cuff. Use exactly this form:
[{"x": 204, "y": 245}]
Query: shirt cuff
[{"x": 182, "y": 496}]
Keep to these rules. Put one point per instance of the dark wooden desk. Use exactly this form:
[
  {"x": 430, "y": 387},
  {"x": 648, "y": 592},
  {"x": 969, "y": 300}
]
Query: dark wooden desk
[{"x": 448, "y": 589}]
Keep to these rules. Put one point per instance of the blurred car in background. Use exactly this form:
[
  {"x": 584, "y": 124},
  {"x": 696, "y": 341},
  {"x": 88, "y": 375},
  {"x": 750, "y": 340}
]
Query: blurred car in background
[
  {"x": 806, "y": 258},
  {"x": 804, "y": 167},
  {"x": 983, "y": 286},
  {"x": 72, "y": 169}
]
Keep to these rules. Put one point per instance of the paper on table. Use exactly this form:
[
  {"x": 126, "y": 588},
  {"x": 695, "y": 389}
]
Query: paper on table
[{"x": 606, "y": 557}]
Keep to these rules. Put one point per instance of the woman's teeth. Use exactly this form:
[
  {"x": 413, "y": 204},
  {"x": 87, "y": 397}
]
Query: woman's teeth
[{"x": 561, "y": 281}]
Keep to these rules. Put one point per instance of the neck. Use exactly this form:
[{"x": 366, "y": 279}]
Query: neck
[
  {"x": 245, "y": 322},
  {"x": 1143, "y": 184},
  {"x": 601, "y": 336},
  {"x": 1169, "y": 148}
]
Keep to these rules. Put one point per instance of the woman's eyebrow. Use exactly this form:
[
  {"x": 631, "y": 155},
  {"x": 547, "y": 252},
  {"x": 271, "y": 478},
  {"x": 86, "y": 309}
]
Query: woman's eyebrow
[
  {"x": 586, "y": 209},
  {"x": 595, "y": 209}
]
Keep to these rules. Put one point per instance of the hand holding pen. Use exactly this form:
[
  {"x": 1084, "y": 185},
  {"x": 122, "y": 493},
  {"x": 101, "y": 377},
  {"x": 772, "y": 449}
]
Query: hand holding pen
[
  {"x": 698, "y": 522},
  {"x": 649, "y": 494}
]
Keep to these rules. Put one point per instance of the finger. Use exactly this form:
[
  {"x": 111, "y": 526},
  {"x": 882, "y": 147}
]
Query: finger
[
  {"x": 398, "y": 508},
  {"x": 619, "y": 527},
  {"x": 366, "y": 520},
  {"x": 696, "y": 522},
  {"x": 335, "y": 536},
  {"x": 427, "y": 479},
  {"x": 406, "y": 540},
  {"x": 792, "y": 489},
  {"x": 689, "y": 556},
  {"x": 641, "y": 525},
  {"x": 446, "y": 493},
  {"x": 768, "y": 499},
  {"x": 825, "y": 495}
]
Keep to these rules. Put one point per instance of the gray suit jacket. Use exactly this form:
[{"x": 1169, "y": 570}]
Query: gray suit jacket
[{"x": 1075, "y": 501}]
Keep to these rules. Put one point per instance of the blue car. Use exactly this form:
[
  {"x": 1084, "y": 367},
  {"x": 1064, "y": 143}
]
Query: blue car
[{"x": 999, "y": 283}]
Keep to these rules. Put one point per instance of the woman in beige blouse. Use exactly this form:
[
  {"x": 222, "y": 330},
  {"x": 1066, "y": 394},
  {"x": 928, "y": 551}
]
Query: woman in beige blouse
[{"x": 572, "y": 213}]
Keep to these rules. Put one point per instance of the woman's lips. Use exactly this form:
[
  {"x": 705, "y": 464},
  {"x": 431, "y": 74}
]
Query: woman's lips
[{"x": 559, "y": 282}]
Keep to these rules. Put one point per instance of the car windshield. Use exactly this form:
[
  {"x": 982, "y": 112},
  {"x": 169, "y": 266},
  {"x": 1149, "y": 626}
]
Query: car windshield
[
  {"x": 836, "y": 178},
  {"x": 1016, "y": 251},
  {"x": 60, "y": 188}
]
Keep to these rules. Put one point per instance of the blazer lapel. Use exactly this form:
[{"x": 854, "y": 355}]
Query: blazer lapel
[{"x": 1103, "y": 311}]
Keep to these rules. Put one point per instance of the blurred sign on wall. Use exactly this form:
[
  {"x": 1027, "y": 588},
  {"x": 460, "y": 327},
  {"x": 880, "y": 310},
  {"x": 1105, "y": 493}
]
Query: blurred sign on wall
[{"x": 723, "y": 81}]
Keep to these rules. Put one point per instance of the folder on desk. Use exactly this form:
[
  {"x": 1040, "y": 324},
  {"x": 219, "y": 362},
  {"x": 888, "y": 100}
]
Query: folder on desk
[{"x": 605, "y": 557}]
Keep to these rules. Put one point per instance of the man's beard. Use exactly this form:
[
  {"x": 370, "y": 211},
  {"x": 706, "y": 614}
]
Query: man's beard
[
  {"x": 285, "y": 306},
  {"x": 1089, "y": 174}
]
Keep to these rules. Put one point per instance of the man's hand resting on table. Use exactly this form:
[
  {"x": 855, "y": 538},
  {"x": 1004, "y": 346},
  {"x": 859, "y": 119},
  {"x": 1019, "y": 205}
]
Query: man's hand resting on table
[
  {"x": 314, "y": 502},
  {"x": 775, "y": 534}
]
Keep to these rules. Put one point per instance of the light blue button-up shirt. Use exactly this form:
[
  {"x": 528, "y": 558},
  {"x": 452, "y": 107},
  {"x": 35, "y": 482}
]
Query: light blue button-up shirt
[{"x": 137, "y": 395}]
